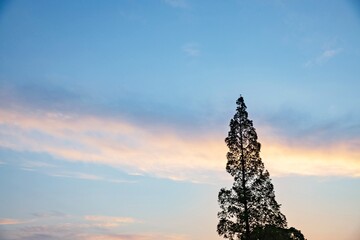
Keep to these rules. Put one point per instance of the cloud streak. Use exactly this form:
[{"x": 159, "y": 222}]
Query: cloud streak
[
  {"x": 112, "y": 142},
  {"x": 191, "y": 50},
  {"x": 163, "y": 151},
  {"x": 285, "y": 157},
  {"x": 63, "y": 171},
  {"x": 81, "y": 231},
  {"x": 11, "y": 221},
  {"x": 177, "y": 3},
  {"x": 57, "y": 225},
  {"x": 108, "y": 221},
  {"x": 325, "y": 56}
]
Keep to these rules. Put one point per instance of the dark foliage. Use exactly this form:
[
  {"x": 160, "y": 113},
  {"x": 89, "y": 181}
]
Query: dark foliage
[
  {"x": 270, "y": 232},
  {"x": 250, "y": 203}
]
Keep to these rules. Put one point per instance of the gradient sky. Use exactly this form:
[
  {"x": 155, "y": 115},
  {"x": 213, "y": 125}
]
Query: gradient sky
[{"x": 113, "y": 114}]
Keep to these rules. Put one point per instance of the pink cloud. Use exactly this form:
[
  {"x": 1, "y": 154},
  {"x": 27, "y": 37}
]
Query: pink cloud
[
  {"x": 109, "y": 221},
  {"x": 150, "y": 236}
]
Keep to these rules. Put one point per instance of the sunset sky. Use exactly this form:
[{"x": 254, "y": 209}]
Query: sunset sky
[{"x": 113, "y": 114}]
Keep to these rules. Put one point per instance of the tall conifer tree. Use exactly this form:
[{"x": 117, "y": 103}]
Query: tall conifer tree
[{"x": 250, "y": 203}]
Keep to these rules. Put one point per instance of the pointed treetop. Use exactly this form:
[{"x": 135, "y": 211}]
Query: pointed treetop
[{"x": 240, "y": 101}]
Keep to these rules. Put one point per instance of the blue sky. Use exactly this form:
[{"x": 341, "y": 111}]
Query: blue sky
[{"x": 113, "y": 114}]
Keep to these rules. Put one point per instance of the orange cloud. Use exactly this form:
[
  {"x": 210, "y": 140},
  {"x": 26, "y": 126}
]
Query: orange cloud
[
  {"x": 163, "y": 152},
  {"x": 138, "y": 149},
  {"x": 10, "y": 221},
  {"x": 335, "y": 159}
]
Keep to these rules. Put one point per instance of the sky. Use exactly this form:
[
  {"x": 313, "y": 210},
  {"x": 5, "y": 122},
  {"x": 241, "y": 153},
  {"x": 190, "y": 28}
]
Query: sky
[{"x": 113, "y": 114}]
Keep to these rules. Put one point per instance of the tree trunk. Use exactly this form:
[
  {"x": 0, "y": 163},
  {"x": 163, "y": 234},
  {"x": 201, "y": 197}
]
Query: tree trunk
[{"x": 242, "y": 160}]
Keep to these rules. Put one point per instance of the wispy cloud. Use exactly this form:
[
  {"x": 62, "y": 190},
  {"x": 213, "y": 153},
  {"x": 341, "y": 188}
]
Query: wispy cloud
[
  {"x": 113, "y": 142},
  {"x": 145, "y": 236},
  {"x": 49, "y": 214},
  {"x": 11, "y": 221},
  {"x": 87, "y": 176},
  {"x": 148, "y": 236},
  {"x": 325, "y": 56},
  {"x": 164, "y": 152},
  {"x": 177, "y": 3},
  {"x": 32, "y": 165},
  {"x": 109, "y": 221},
  {"x": 78, "y": 175},
  {"x": 63, "y": 171},
  {"x": 191, "y": 49},
  {"x": 81, "y": 231},
  {"x": 58, "y": 225},
  {"x": 157, "y": 150}
]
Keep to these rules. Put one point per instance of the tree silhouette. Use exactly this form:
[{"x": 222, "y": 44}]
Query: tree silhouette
[{"x": 250, "y": 203}]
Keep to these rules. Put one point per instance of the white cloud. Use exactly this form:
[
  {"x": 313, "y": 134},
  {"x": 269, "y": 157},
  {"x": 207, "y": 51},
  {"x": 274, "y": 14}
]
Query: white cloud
[
  {"x": 37, "y": 164},
  {"x": 78, "y": 175},
  {"x": 191, "y": 49},
  {"x": 177, "y": 3},
  {"x": 325, "y": 56},
  {"x": 58, "y": 171}
]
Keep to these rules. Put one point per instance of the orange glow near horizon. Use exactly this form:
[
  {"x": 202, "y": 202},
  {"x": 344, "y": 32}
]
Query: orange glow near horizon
[{"x": 123, "y": 144}]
